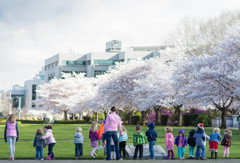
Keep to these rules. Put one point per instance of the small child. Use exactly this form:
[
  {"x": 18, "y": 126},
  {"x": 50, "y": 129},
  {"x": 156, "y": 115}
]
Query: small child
[
  {"x": 50, "y": 141},
  {"x": 181, "y": 143},
  {"x": 200, "y": 139},
  {"x": 226, "y": 142},
  {"x": 113, "y": 153},
  {"x": 94, "y": 138},
  {"x": 152, "y": 136},
  {"x": 215, "y": 137},
  {"x": 78, "y": 143},
  {"x": 122, "y": 141},
  {"x": 169, "y": 142},
  {"x": 39, "y": 144},
  {"x": 192, "y": 143},
  {"x": 139, "y": 139}
]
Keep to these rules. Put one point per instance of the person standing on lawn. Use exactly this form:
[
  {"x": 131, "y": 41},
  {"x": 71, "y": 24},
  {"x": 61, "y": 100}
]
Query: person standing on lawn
[
  {"x": 215, "y": 137},
  {"x": 11, "y": 134},
  {"x": 139, "y": 138},
  {"x": 78, "y": 141},
  {"x": 50, "y": 141},
  {"x": 112, "y": 123},
  {"x": 200, "y": 139},
  {"x": 39, "y": 144},
  {"x": 151, "y": 136},
  {"x": 181, "y": 143}
]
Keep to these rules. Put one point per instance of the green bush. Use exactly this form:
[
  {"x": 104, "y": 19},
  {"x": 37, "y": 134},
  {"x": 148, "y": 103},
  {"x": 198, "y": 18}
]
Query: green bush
[
  {"x": 203, "y": 118},
  {"x": 125, "y": 116},
  {"x": 69, "y": 122},
  {"x": 164, "y": 119},
  {"x": 189, "y": 119},
  {"x": 31, "y": 121},
  {"x": 135, "y": 119},
  {"x": 87, "y": 119}
]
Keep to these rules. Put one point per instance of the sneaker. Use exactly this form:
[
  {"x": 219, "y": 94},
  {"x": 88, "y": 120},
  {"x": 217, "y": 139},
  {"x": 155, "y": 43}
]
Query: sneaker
[
  {"x": 53, "y": 158},
  {"x": 197, "y": 159},
  {"x": 91, "y": 156},
  {"x": 10, "y": 158},
  {"x": 189, "y": 157},
  {"x": 183, "y": 158},
  {"x": 76, "y": 158},
  {"x": 203, "y": 158},
  {"x": 180, "y": 158},
  {"x": 42, "y": 158}
]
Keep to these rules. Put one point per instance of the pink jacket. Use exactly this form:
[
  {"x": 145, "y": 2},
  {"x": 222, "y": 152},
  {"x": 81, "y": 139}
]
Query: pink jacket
[
  {"x": 169, "y": 140},
  {"x": 11, "y": 129},
  {"x": 112, "y": 123},
  {"x": 49, "y": 137}
]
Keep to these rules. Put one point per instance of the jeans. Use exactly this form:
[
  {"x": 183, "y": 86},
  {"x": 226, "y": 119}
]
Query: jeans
[
  {"x": 11, "y": 144},
  {"x": 113, "y": 135},
  {"x": 78, "y": 150},
  {"x": 122, "y": 146},
  {"x": 140, "y": 149},
  {"x": 198, "y": 151},
  {"x": 181, "y": 152},
  {"x": 50, "y": 150},
  {"x": 39, "y": 150},
  {"x": 151, "y": 150},
  {"x": 191, "y": 151}
]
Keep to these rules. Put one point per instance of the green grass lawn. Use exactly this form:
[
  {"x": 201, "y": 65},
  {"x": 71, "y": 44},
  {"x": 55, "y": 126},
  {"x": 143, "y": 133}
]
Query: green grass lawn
[{"x": 64, "y": 149}]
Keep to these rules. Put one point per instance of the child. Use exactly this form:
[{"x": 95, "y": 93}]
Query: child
[
  {"x": 50, "y": 141},
  {"x": 139, "y": 139},
  {"x": 122, "y": 141},
  {"x": 39, "y": 144},
  {"x": 169, "y": 142},
  {"x": 113, "y": 153},
  {"x": 78, "y": 143},
  {"x": 152, "y": 135},
  {"x": 94, "y": 138},
  {"x": 181, "y": 143},
  {"x": 200, "y": 139},
  {"x": 192, "y": 143},
  {"x": 214, "y": 141},
  {"x": 226, "y": 142},
  {"x": 11, "y": 133}
]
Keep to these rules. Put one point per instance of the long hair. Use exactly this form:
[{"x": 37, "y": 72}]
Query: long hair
[
  {"x": 94, "y": 126},
  {"x": 39, "y": 132},
  {"x": 12, "y": 118},
  {"x": 124, "y": 129}
]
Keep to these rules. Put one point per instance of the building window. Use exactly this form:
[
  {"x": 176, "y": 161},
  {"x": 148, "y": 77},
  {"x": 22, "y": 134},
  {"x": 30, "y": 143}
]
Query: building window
[
  {"x": 73, "y": 63},
  {"x": 45, "y": 67},
  {"x": 56, "y": 63},
  {"x": 104, "y": 62},
  {"x": 48, "y": 66},
  {"x": 34, "y": 94},
  {"x": 99, "y": 72}
]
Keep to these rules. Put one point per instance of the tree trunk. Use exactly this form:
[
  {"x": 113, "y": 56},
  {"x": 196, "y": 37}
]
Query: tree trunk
[
  {"x": 143, "y": 117},
  {"x": 105, "y": 114},
  {"x": 73, "y": 116},
  {"x": 223, "y": 117},
  {"x": 80, "y": 116},
  {"x": 65, "y": 115},
  {"x": 179, "y": 114},
  {"x": 96, "y": 116},
  {"x": 130, "y": 118},
  {"x": 156, "y": 116}
]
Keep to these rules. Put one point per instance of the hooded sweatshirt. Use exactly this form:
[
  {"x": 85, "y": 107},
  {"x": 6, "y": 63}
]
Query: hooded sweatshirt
[
  {"x": 39, "y": 142},
  {"x": 78, "y": 138},
  {"x": 49, "y": 137},
  {"x": 93, "y": 136},
  {"x": 169, "y": 140},
  {"x": 184, "y": 140},
  {"x": 139, "y": 138},
  {"x": 191, "y": 139},
  {"x": 151, "y": 133},
  {"x": 200, "y": 137}
]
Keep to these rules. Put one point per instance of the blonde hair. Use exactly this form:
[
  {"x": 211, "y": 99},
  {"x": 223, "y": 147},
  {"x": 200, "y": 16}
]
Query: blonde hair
[
  {"x": 216, "y": 130},
  {"x": 124, "y": 129},
  {"x": 168, "y": 129},
  {"x": 94, "y": 126},
  {"x": 229, "y": 132},
  {"x": 79, "y": 129},
  {"x": 12, "y": 118}
]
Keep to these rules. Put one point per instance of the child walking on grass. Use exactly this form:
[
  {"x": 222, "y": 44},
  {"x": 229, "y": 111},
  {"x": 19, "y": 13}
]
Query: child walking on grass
[
  {"x": 78, "y": 143},
  {"x": 181, "y": 143},
  {"x": 214, "y": 141},
  {"x": 11, "y": 133},
  {"x": 94, "y": 138},
  {"x": 39, "y": 144},
  {"x": 169, "y": 142},
  {"x": 50, "y": 141},
  {"x": 226, "y": 142}
]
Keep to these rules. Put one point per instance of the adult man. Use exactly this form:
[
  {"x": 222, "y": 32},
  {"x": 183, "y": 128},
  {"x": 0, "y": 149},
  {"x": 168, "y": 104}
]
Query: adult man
[{"x": 112, "y": 123}]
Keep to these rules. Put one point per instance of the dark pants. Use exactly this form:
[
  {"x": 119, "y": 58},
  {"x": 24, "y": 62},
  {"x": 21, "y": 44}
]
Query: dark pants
[
  {"x": 78, "y": 150},
  {"x": 122, "y": 146},
  {"x": 113, "y": 135},
  {"x": 50, "y": 150},
  {"x": 140, "y": 149},
  {"x": 39, "y": 150}
]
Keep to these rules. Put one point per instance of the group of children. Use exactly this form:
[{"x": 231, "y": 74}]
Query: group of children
[{"x": 196, "y": 139}]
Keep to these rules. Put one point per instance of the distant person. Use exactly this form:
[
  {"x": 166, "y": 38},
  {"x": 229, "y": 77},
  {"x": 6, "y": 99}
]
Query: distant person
[
  {"x": 192, "y": 143},
  {"x": 226, "y": 142},
  {"x": 181, "y": 143},
  {"x": 139, "y": 139},
  {"x": 39, "y": 144},
  {"x": 112, "y": 124},
  {"x": 152, "y": 137},
  {"x": 78, "y": 141},
  {"x": 200, "y": 139},
  {"x": 50, "y": 141},
  {"x": 215, "y": 137},
  {"x": 11, "y": 134},
  {"x": 123, "y": 141},
  {"x": 94, "y": 138},
  {"x": 169, "y": 142}
]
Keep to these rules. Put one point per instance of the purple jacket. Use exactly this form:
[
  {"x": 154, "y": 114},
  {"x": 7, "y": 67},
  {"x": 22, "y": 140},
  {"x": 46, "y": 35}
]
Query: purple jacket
[
  {"x": 184, "y": 140},
  {"x": 49, "y": 137},
  {"x": 93, "y": 136},
  {"x": 11, "y": 129}
]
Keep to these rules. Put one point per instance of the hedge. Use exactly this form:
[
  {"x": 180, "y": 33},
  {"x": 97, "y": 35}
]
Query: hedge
[
  {"x": 164, "y": 119},
  {"x": 189, "y": 119},
  {"x": 135, "y": 119},
  {"x": 55, "y": 122},
  {"x": 31, "y": 121}
]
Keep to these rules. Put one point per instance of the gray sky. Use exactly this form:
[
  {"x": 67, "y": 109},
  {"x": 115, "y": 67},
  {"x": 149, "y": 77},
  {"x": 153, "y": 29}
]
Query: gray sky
[{"x": 33, "y": 30}]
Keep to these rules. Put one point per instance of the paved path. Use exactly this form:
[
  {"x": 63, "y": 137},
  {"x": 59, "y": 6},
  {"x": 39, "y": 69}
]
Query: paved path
[{"x": 126, "y": 161}]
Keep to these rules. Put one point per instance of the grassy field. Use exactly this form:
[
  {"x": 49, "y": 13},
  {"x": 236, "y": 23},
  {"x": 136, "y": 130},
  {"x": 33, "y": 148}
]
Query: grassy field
[{"x": 64, "y": 149}]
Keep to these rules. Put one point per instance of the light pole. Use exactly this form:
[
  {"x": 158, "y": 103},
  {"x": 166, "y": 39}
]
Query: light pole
[
  {"x": 19, "y": 106},
  {"x": 10, "y": 102}
]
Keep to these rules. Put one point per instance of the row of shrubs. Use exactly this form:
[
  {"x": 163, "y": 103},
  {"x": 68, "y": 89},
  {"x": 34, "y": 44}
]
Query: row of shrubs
[{"x": 55, "y": 122}]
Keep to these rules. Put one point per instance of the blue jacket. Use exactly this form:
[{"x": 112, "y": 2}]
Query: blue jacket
[
  {"x": 184, "y": 140},
  {"x": 122, "y": 138},
  {"x": 200, "y": 137},
  {"x": 151, "y": 133},
  {"x": 215, "y": 137}
]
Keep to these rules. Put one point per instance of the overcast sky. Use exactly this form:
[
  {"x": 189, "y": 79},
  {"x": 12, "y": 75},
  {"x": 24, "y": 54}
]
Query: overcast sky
[{"x": 33, "y": 30}]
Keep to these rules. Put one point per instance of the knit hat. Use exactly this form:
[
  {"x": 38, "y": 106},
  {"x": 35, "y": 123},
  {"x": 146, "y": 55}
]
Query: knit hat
[{"x": 200, "y": 125}]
